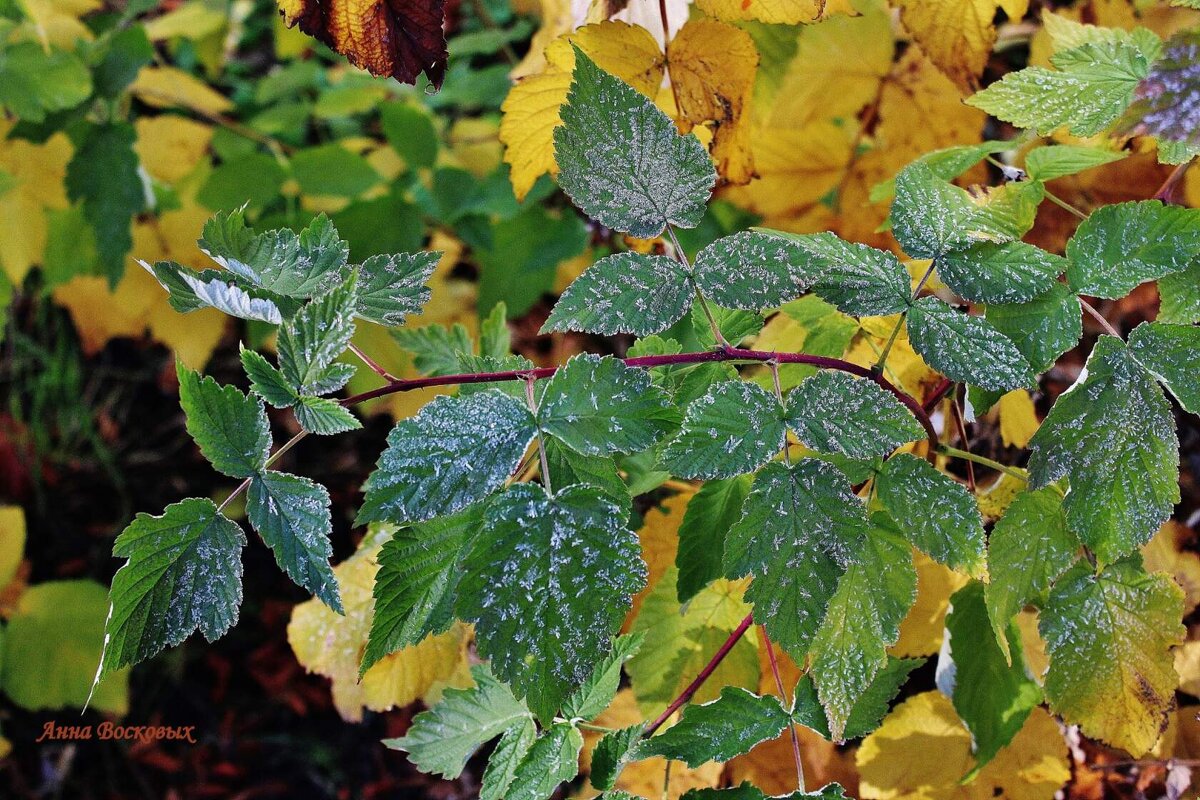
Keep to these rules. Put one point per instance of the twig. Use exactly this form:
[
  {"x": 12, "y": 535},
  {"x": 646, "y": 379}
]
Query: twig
[
  {"x": 1096, "y": 315},
  {"x": 244, "y": 485},
  {"x": 783, "y": 697},
  {"x": 375, "y": 366}
]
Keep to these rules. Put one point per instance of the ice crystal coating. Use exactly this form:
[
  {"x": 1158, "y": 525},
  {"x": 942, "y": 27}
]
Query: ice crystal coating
[
  {"x": 753, "y": 271},
  {"x": 1120, "y": 246},
  {"x": 1172, "y": 354},
  {"x": 733, "y": 429},
  {"x": 392, "y": 287},
  {"x": 318, "y": 334},
  {"x": 835, "y": 412},
  {"x": 1043, "y": 328},
  {"x": 624, "y": 293},
  {"x": 1011, "y": 272},
  {"x": 966, "y": 348}
]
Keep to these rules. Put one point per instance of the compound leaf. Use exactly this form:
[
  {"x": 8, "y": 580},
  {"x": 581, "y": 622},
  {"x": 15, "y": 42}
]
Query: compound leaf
[
  {"x": 858, "y": 279},
  {"x": 1043, "y": 328},
  {"x": 1172, "y": 354},
  {"x": 612, "y": 753},
  {"x": 266, "y": 380},
  {"x": 706, "y": 522},
  {"x": 729, "y": 726},
  {"x": 598, "y": 691},
  {"x": 1120, "y": 246},
  {"x": 506, "y": 759},
  {"x": 392, "y": 287},
  {"x": 553, "y": 759},
  {"x": 752, "y": 271},
  {"x": 323, "y": 416},
  {"x": 1010, "y": 272},
  {"x": 318, "y": 334}
]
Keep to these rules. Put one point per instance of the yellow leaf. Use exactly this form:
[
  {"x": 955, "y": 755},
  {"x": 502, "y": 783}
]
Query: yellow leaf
[
  {"x": 331, "y": 645},
  {"x": 168, "y": 87},
  {"x": 101, "y": 314},
  {"x": 645, "y": 778},
  {"x": 778, "y": 12},
  {"x": 171, "y": 146},
  {"x": 12, "y": 542},
  {"x": 995, "y": 499},
  {"x": 922, "y": 629},
  {"x": 475, "y": 145},
  {"x": 1187, "y": 664},
  {"x": 712, "y": 67},
  {"x": 1165, "y": 553},
  {"x": 771, "y": 768},
  {"x": 37, "y": 172},
  {"x": 659, "y": 537},
  {"x": 922, "y": 750},
  {"x": 957, "y": 34},
  {"x": 557, "y": 17},
  {"x": 1018, "y": 418},
  {"x": 192, "y": 20},
  {"x": 531, "y": 108},
  {"x": 1034, "y": 645}
]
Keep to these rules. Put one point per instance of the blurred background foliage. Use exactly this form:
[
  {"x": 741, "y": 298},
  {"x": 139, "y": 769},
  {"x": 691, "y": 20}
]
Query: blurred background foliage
[{"x": 127, "y": 124}]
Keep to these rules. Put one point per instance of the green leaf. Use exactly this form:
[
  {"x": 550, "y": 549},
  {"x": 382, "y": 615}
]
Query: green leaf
[
  {"x": 1089, "y": 89},
  {"x": 1109, "y": 635},
  {"x": 992, "y": 695},
  {"x": 965, "y": 348},
  {"x": 727, "y": 727},
  {"x": 392, "y": 287},
  {"x": 548, "y": 586},
  {"x": 799, "y": 530},
  {"x": 947, "y": 164},
  {"x": 937, "y": 513},
  {"x": 834, "y": 412},
  {"x": 52, "y": 634},
  {"x": 624, "y": 293},
  {"x": 710, "y": 514},
  {"x": 1012, "y": 272},
  {"x": 596, "y": 406},
  {"x": 553, "y": 759},
  {"x": 184, "y": 573},
  {"x": 1172, "y": 354},
  {"x": 849, "y": 649},
  {"x": 103, "y": 175},
  {"x": 1113, "y": 435},
  {"x": 442, "y": 739},
  {"x": 495, "y": 339},
  {"x": 1029, "y": 548},
  {"x": 332, "y": 169},
  {"x": 859, "y": 280},
  {"x": 870, "y": 707},
  {"x": 568, "y": 467},
  {"x": 1042, "y": 329},
  {"x": 455, "y": 452},
  {"x": 1060, "y": 160},
  {"x": 931, "y": 216},
  {"x": 188, "y": 290},
  {"x": 1120, "y": 246},
  {"x": 230, "y": 428},
  {"x": 34, "y": 81},
  {"x": 752, "y": 271},
  {"x": 436, "y": 349},
  {"x": 612, "y": 753},
  {"x": 278, "y": 261},
  {"x": 733, "y": 429},
  {"x": 324, "y": 417},
  {"x": 604, "y": 121},
  {"x": 291, "y": 514},
  {"x": 417, "y": 582},
  {"x": 1179, "y": 296},
  {"x": 506, "y": 759},
  {"x": 318, "y": 334},
  {"x": 734, "y": 324},
  {"x": 409, "y": 129},
  {"x": 598, "y": 691}
]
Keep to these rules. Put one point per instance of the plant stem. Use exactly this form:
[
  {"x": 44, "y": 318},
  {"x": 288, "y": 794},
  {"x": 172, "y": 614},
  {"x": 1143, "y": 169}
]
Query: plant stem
[
  {"x": 774, "y": 365},
  {"x": 783, "y": 697},
  {"x": 375, "y": 366},
  {"x": 681, "y": 257},
  {"x": 887, "y": 348},
  {"x": 529, "y": 398},
  {"x": 1063, "y": 204},
  {"x": 244, "y": 485},
  {"x": 1096, "y": 315},
  {"x": 954, "y": 452},
  {"x": 490, "y": 23},
  {"x": 701, "y": 677},
  {"x": 1166, "y": 192}
]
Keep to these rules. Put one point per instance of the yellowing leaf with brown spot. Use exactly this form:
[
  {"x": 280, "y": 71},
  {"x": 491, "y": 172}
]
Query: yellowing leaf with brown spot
[
  {"x": 531, "y": 108},
  {"x": 37, "y": 172},
  {"x": 957, "y": 34},
  {"x": 331, "y": 645},
  {"x": 645, "y": 778},
  {"x": 168, "y": 87},
  {"x": 923, "y": 628},
  {"x": 1018, "y": 418},
  {"x": 778, "y": 12},
  {"x": 1165, "y": 553},
  {"x": 712, "y": 67},
  {"x": 171, "y": 146},
  {"x": 922, "y": 750}
]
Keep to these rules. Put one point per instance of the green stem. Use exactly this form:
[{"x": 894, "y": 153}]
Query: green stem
[
  {"x": 529, "y": 398},
  {"x": 954, "y": 452},
  {"x": 887, "y": 348},
  {"x": 1063, "y": 204},
  {"x": 244, "y": 485}
]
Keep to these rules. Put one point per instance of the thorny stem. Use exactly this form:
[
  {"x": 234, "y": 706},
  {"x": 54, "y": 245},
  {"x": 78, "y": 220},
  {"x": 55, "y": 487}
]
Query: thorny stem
[
  {"x": 701, "y": 677},
  {"x": 529, "y": 398},
  {"x": 244, "y": 485},
  {"x": 725, "y": 353},
  {"x": 374, "y": 365},
  {"x": 1096, "y": 315},
  {"x": 954, "y": 452},
  {"x": 783, "y": 698}
]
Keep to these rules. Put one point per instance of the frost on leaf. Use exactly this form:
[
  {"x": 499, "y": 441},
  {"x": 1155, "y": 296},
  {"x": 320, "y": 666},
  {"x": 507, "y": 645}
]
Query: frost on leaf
[
  {"x": 937, "y": 513},
  {"x": 1112, "y": 434},
  {"x": 392, "y": 287},
  {"x": 184, "y": 573},
  {"x": 800, "y": 528},
  {"x": 1109, "y": 636},
  {"x": 1011, "y": 272},
  {"x": 1172, "y": 354},
  {"x": 858, "y": 279},
  {"x": 456, "y": 451},
  {"x": 753, "y": 271},
  {"x": 548, "y": 586},
  {"x": 318, "y": 334},
  {"x": 621, "y": 160},
  {"x": 596, "y": 406},
  {"x": 291, "y": 514},
  {"x": 230, "y": 428},
  {"x": 189, "y": 290},
  {"x": 733, "y": 429},
  {"x": 1043, "y": 328},
  {"x": 717, "y": 731},
  {"x": 834, "y": 412},
  {"x": 1123, "y": 245},
  {"x": 624, "y": 293},
  {"x": 966, "y": 348}
]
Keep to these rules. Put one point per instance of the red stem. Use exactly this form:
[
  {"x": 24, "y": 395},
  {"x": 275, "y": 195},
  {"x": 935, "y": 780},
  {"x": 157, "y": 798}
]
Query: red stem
[
  {"x": 704, "y": 674},
  {"x": 783, "y": 698},
  {"x": 721, "y": 354}
]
